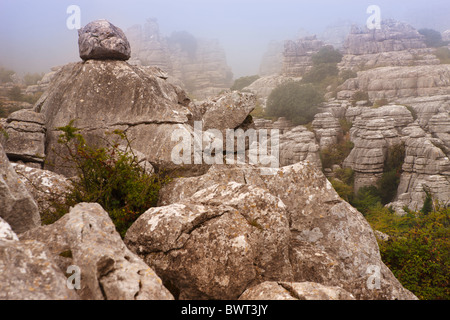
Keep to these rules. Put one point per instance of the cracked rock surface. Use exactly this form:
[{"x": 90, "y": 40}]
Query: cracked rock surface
[{"x": 87, "y": 238}]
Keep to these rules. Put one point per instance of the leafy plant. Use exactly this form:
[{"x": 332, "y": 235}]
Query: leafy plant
[
  {"x": 443, "y": 54},
  {"x": 433, "y": 38},
  {"x": 295, "y": 101},
  {"x": 110, "y": 176},
  {"x": 418, "y": 251},
  {"x": 243, "y": 82}
]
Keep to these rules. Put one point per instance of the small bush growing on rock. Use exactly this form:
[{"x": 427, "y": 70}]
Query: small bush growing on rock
[
  {"x": 327, "y": 55},
  {"x": 110, "y": 176},
  {"x": 295, "y": 101},
  {"x": 443, "y": 54},
  {"x": 360, "y": 96},
  {"x": 417, "y": 251},
  {"x": 243, "y": 82},
  {"x": 433, "y": 38}
]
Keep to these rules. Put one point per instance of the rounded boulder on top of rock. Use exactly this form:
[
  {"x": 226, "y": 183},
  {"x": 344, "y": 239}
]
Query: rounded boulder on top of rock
[{"x": 102, "y": 40}]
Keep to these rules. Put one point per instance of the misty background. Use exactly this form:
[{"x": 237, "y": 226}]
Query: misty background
[{"x": 34, "y": 36}]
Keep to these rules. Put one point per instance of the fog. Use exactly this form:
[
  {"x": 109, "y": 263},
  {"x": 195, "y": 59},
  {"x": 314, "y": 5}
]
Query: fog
[{"x": 34, "y": 36}]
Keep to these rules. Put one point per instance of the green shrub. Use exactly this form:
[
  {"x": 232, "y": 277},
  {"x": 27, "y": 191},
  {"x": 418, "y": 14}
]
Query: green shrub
[
  {"x": 433, "y": 38},
  {"x": 243, "y": 82},
  {"x": 15, "y": 94},
  {"x": 347, "y": 74},
  {"x": 360, "y": 96},
  {"x": 319, "y": 73},
  {"x": 327, "y": 55},
  {"x": 366, "y": 198},
  {"x": 443, "y": 54},
  {"x": 5, "y": 75},
  {"x": 418, "y": 251},
  {"x": 295, "y": 101},
  {"x": 110, "y": 176},
  {"x": 32, "y": 78}
]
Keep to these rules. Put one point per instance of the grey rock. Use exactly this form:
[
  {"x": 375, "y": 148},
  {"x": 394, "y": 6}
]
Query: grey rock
[
  {"x": 18, "y": 207},
  {"x": 46, "y": 187},
  {"x": 394, "y": 83},
  {"x": 272, "y": 290},
  {"x": 6, "y": 233},
  {"x": 87, "y": 238},
  {"x": 25, "y": 130},
  {"x": 100, "y": 39},
  {"x": 216, "y": 243},
  {"x": 27, "y": 272},
  {"x": 331, "y": 243},
  {"x": 142, "y": 103},
  {"x": 327, "y": 129}
]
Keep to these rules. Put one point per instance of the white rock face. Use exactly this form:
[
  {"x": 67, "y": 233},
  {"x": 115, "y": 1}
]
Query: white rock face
[
  {"x": 328, "y": 241},
  {"x": 394, "y": 83},
  {"x": 86, "y": 237}
]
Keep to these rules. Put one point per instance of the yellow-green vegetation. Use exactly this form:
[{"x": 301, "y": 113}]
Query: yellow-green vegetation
[
  {"x": 418, "y": 249},
  {"x": 337, "y": 153},
  {"x": 360, "y": 96},
  {"x": 5, "y": 75},
  {"x": 324, "y": 73},
  {"x": 443, "y": 54},
  {"x": 243, "y": 82},
  {"x": 15, "y": 94},
  {"x": 296, "y": 101},
  {"x": 110, "y": 176}
]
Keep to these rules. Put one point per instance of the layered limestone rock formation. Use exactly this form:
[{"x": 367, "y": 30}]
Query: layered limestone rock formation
[
  {"x": 394, "y": 83},
  {"x": 272, "y": 60},
  {"x": 373, "y": 133},
  {"x": 200, "y": 64},
  {"x": 297, "y": 55},
  {"x": 327, "y": 129},
  {"x": 426, "y": 167},
  {"x": 25, "y": 141},
  {"x": 395, "y": 44}
]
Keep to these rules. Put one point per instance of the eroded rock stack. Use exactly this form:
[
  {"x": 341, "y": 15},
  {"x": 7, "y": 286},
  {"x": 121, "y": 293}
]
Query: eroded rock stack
[
  {"x": 200, "y": 64},
  {"x": 395, "y": 44},
  {"x": 297, "y": 55}
]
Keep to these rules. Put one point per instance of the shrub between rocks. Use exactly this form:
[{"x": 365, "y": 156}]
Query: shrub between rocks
[{"x": 110, "y": 176}]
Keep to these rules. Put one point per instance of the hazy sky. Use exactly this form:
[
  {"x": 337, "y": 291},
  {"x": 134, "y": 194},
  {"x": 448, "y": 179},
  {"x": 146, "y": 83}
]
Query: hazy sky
[{"x": 34, "y": 36}]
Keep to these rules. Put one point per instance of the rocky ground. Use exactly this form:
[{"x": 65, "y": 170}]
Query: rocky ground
[{"x": 223, "y": 231}]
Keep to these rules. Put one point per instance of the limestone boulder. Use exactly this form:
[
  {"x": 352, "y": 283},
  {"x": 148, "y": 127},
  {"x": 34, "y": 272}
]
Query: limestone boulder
[
  {"x": 101, "y": 39},
  {"x": 46, "y": 187},
  {"x": 330, "y": 242},
  {"x": 18, "y": 207},
  {"x": 272, "y": 290},
  {"x": 217, "y": 243},
  {"x": 102, "y": 96},
  {"x": 25, "y": 141},
  {"x": 86, "y": 237}
]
